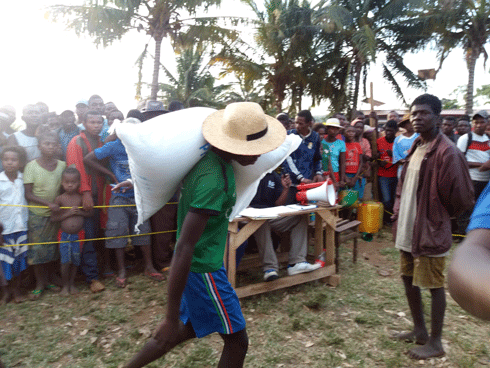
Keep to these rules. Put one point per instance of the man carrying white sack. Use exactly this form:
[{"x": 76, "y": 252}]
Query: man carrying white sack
[{"x": 200, "y": 298}]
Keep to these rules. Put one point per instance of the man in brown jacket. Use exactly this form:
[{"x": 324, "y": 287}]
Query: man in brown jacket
[{"x": 434, "y": 186}]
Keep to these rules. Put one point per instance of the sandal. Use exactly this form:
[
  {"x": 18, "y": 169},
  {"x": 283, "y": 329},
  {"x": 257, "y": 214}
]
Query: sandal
[
  {"x": 36, "y": 294},
  {"x": 120, "y": 283},
  {"x": 155, "y": 276},
  {"x": 52, "y": 287}
]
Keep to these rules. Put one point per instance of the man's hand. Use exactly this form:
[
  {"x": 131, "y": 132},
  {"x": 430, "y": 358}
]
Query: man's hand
[
  {"x": 389, "y": 153},
  {"x": 317, "y": 178},
  {"x": 305, "y": 181},
  {"x": 285, "y": 181},
  {"x": 87, "y": 201},
  {"x": 123, "y": 186},
  {"x": 485, "y": 166}
]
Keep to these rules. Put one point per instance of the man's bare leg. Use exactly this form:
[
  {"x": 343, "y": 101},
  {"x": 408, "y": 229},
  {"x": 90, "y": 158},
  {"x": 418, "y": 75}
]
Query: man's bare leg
[
  {"x": 433, "y": 348},
  {"x": 155, "y": 348},
  {"x": 419, "y": 334},
  {"x": 235, "y": 350}
]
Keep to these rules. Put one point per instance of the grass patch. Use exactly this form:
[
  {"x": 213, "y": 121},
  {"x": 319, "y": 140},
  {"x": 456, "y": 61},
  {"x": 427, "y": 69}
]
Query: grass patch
[{"x": 310, "y": 325}]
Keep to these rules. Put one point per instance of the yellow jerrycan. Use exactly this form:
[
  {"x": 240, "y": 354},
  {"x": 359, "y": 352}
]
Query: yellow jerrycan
[{"x": 370, "y": 214}]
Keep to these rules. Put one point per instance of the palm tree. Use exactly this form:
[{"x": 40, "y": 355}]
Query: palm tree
[
  {"x": 465, "y": 24},
  {"x": 193, "y": 85},
  {"x": 109, "y": 20},
  {"x": 363, "y": 30},
  {"x": 283, "y": 39}
]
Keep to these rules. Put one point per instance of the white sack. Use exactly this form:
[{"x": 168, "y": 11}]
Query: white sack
[
  {"x": 161, "y": 151},
  {"x": 247, "y": 178}
]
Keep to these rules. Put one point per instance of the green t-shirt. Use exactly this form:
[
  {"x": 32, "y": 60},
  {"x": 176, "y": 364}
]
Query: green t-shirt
[
  {"x": 45, "y": 184},
  {"x": 209, "y": 188}
]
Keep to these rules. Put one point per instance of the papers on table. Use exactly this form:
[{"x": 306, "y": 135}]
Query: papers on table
[{"x": 273, "y": 212}]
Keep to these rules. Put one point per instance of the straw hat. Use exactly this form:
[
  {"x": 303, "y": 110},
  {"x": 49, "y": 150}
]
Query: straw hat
[
  {"x": 243, "y": 128},
  {"x": 404, "y": 119},
  {"x": 333, "y": 122}
]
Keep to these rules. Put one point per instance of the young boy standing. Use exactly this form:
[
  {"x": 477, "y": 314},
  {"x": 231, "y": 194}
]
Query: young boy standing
[
  {"x": 71, "y": 231},
  {"x": 197, "y": 282},
  {"x": 91, "y": 188}
]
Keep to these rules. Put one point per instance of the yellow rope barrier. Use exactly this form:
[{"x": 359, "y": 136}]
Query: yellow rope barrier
[
  {"x": 86, "y": 240},
  {"x": 67, "y": 208}
]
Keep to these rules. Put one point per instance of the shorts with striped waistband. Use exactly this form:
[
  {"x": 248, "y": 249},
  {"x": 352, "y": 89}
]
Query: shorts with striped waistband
[{"x": 210, "y": 304}]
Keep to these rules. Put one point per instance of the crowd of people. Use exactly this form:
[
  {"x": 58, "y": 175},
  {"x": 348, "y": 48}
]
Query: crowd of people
[{"x": 55, "y": 188}]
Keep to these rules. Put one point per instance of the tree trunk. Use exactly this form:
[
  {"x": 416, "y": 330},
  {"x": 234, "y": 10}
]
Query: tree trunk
[
  {"x": 357, "y": 70},
  {"x": 471, "y": 81},
  {"x": 156, "y": 67}
]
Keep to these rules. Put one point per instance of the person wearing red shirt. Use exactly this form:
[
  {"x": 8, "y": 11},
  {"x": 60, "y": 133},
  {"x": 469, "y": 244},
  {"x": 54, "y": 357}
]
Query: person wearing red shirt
[
  {"x": 387, "y": 171},
  {"x": 91, "y": 187},
  {"x": 353, "y": 160}
]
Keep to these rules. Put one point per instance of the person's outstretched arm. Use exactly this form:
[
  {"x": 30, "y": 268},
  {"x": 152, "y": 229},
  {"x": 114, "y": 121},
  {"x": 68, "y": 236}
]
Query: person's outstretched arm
[
  {"x": 168, "y": 334},
  {"x": 469, "y": 273}
]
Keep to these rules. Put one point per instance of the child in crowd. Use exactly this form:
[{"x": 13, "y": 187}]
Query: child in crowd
[
  {"x": 71, "y": 231},
  {"x": 13, "y": 259},
  {"x": 122, "y": 217},
  {"x": 353, "y": 161},
  {"x": 403, "y": 143},
  {"x": 42, "y": 182},
  {"x": 91, "y": 188},
  {"x": 31, "y": 114},
  {"x": 387, "y": 171},
  {"x": 68, "y": 130},
  {"x": 333, "y": 153},
  {"x": 320, "y": 129}
]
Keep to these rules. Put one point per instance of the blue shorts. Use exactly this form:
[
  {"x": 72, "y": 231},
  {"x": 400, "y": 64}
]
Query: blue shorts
[
  {"x": 210, "y": 304},
  {"x": 70, "y": 252},
  {"x": 13, "y": 259}
]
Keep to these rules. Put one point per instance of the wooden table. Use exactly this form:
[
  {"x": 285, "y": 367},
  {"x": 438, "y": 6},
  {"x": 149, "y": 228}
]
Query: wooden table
[{"x": 325, "y": 218}]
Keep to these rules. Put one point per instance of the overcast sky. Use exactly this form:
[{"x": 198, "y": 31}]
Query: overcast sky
[{"x": 41, "y": 61}]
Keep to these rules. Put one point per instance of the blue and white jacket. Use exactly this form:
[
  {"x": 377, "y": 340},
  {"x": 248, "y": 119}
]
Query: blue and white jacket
[{"x": 306, "y": 161}]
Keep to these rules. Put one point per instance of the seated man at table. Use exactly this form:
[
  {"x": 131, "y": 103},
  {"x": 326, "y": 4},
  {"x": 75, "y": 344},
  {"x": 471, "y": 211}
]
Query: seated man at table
[{"x": 273, "y": 191}]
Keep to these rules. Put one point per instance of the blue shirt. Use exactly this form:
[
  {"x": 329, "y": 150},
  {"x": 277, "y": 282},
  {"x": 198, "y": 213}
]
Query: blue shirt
[
  {"x": 480, "y": 219},
  {"x": 65, "y": 138},
  {"x": 269, "y": 190},
  {"x": 332, "y": 150},
  {"x": 401, "y": 147},
  {"x": 118, "y": 159}
]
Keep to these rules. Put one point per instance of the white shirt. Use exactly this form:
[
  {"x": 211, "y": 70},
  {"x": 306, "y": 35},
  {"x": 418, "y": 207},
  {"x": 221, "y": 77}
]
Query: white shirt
[
  {"x": 479, "y": 151},
  {"x": 14, "y": 219}
]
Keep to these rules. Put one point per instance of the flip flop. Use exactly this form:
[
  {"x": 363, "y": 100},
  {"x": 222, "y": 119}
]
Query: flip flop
[
  {"x": 155, "y": 276},
  {"x": 36, "y": 294},
  {"x": 52, "y": 287},
  {"x": 120, "y": 283}
]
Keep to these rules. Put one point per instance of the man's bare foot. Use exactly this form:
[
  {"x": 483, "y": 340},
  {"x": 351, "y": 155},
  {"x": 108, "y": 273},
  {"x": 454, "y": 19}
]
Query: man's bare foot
[
  {"x": 65, "y": 291},
  {"x": 19, "y": 299},
  {"x": 73, "y": 290},
  {"x": 412, "y": 336},
  {"x": 429, "y": 350},
  {"x": 5, "y": 299}
]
